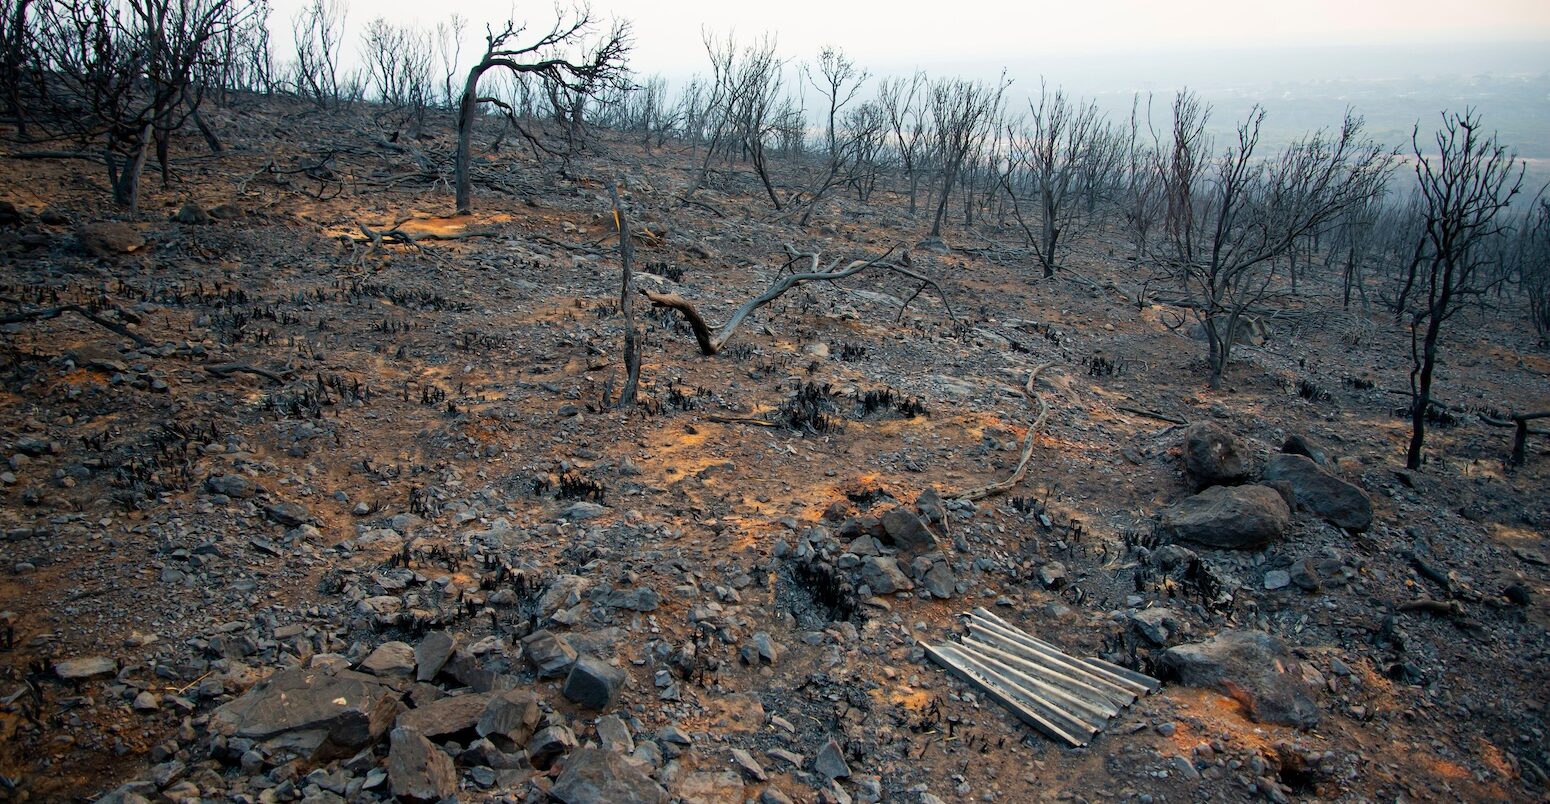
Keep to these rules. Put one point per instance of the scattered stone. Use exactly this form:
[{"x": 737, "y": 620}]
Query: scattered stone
[
  {"x": 709, "y": 787},
  {"x": 594, "y": 684},
  {"x": 237, "y": 487},
  {"x": 549, "y": 653},
  {"x": 417, "y": 769},
  {"x": 1159, "y": 625},
  {"x": 512, "y": 714},
  {"x": 1332, "y": 499},
  {"x": 146, "y": 702},
  {"x": 1298, "y": 444},
  {"x": 109, "y": 239},
  {"x": 596, "y": 776},
  {"x": 940, "y": 581},
  {"x": 614, "y": 734},
  {"x": 882, "y": 573},
  {"x": 192, "y": 213},
  {"x": 447, "y": 716},
  {"x": 1251, "y": 667},
  {"x": 337, "y": 713},
  {"x": 583, "y": 510},
  {"x": 432, "y": 654},
  {"x": 904, "y": 530},
  {"x": 1236, "y": 517},
  {"x": 390, "y": 659},
  {"x": 1212, "y": 456},
  {"x": 1053, "y": 575},
  {"x": 85, "y": 667},
  {"x": 289, "y": 514},
  {"x": 640, "y": 599},
  {"x": 1277, "y": 579},
  {"x": 749, "y": 765},
  {"x": 830, "y": 761},
  {"x": 548, "y": 745}
]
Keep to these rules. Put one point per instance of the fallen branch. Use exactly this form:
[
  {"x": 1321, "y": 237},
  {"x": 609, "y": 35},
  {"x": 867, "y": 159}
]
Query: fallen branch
[
  {"x": 1150, "y": 414},
  {"x": 1519, "y": 421},
  {"x": 228, "y": 369},
  {"x": 1022, "y": 462},
  {"x": 711, "y": 344},
  {"x": 741, "y": 420},
  {"x": 48, "y": 313}
]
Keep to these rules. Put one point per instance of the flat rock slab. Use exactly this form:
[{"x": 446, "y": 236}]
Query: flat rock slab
[
  {"x": 445, "y": 717},
  {"x": 418, "y": 770},
  {"x": 350, "y": 710},
  {"x": 85, "y": 667}
]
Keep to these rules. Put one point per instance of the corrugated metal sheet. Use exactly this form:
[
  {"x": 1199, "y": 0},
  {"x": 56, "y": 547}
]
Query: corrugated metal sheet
[{"x": 1065, "y": 697}]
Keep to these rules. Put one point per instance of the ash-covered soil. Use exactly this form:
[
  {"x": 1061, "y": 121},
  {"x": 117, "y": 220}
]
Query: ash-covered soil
[{"x": 391, "y": 474}]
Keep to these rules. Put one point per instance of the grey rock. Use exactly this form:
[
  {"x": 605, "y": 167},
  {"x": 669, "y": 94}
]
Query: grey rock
[
  {"x": 1299, "y": 444},
  {"x": 641, "y": 599},
  {"x": 512, "y": 714},
  {"x": 447, "y": 716},
  {"x": 1053, "y": 575},
  {"x": 940, "y": 581},
  {"x": 432, "y": 654},
  {"x": 614, "y": 734},
  {"x": 1332, "y": 499},
  {"x": 548, "y": 745},
  {"x": 749, "y": 765},
  {"x": 1158, "y": 625},
  {"x": 146, "y": 702},
  {"x": 1277, "y": 579},
  {"x": 549, "y": 653},
  {"x": 192, "y": 213},
  {"x": 339, "y": 712},
  {"x": 882, "y": 573},
  {"x": 594, "y": 684},
  {"x": 583, "y": 510},
  {"x": 483, "y": 752},
  {"x": 1184, "y": 769},
  {"x": 772, "y": 796},
  {"x": 1252, "y": 667},
  {"x": 907, "y": 532},
  {"x": 390, "y": 659},
  {"x": 85, "y": 667},
  {"x": 708, "y": 787},
  {"x": 596, "y": 776},
  {"x": 1212, "y": 456},
  {"x": 417, "y": 769},
  {"x": 564, "y": 592},
  {"x": 289, "y": 514},
  {"x": 235, "y": 486},
  {"x": 1237, "y": 517},
  {"x": 830, "y": 761}
]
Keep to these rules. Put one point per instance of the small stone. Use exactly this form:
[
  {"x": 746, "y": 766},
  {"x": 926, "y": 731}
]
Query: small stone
[
  {"x": 1184, "y": 768},
  {"x": 830, "y": 761},
  {"x": 512, "y": 714},
  {"x": 417, "y": 769},
  {"x": 1167, "y": 729},
  {"x": 146, "y": 702},
  {"x": 85, "y": 667},
  {"x": 432, "y": 654},
  {"x": 237, "y": 487},
  {"x": 390, "y": 659},
  {"x": 192, "y": 213},
  {"x": 1277, "y": 579},
  {"x": 596, "y": 776},
  {"x": 550, "y": 654},
  {"x": 748, "y": 764},
  {"x": 594, "y": 684},
  {"x": 548, "y": 744},
  {"x": 583, "y": 510},
  {"x": 289, "y": 514}
]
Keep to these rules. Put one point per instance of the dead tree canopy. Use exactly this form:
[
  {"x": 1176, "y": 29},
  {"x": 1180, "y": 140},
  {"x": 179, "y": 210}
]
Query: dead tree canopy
[
  {"x": 598, "y": 65},
  {"x": 712, "y": 343}
]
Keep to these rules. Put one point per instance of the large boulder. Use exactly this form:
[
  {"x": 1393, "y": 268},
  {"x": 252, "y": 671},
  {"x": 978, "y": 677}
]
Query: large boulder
[
  {"x": 1252, "y": 667},
  {"x": 1213, "y": 457},
  {"x": 598, "y": 776},
  {"x": 1234, "y": 518},
  {"x": 333, "y": 714},
  {"x": 904, "y": 530},
  {"x": 1332, "y": 499}
]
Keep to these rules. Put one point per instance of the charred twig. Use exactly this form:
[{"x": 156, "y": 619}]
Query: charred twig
[
  {"x": 228, "y": 369},
  {"x": 1150, "y": 414},
  {"x": 710, "y": 344},
  {"x": 49, "y": 313}
]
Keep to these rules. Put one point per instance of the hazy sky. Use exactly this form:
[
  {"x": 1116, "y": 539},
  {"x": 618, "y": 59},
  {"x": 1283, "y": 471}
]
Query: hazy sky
[{"x": 898, "y": 35}]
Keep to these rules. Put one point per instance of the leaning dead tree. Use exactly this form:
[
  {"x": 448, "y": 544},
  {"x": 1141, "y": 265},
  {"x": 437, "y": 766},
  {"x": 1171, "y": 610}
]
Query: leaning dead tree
[
  {"x": 544, "y": 56},
  {"x": 712, "y": 342}
]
